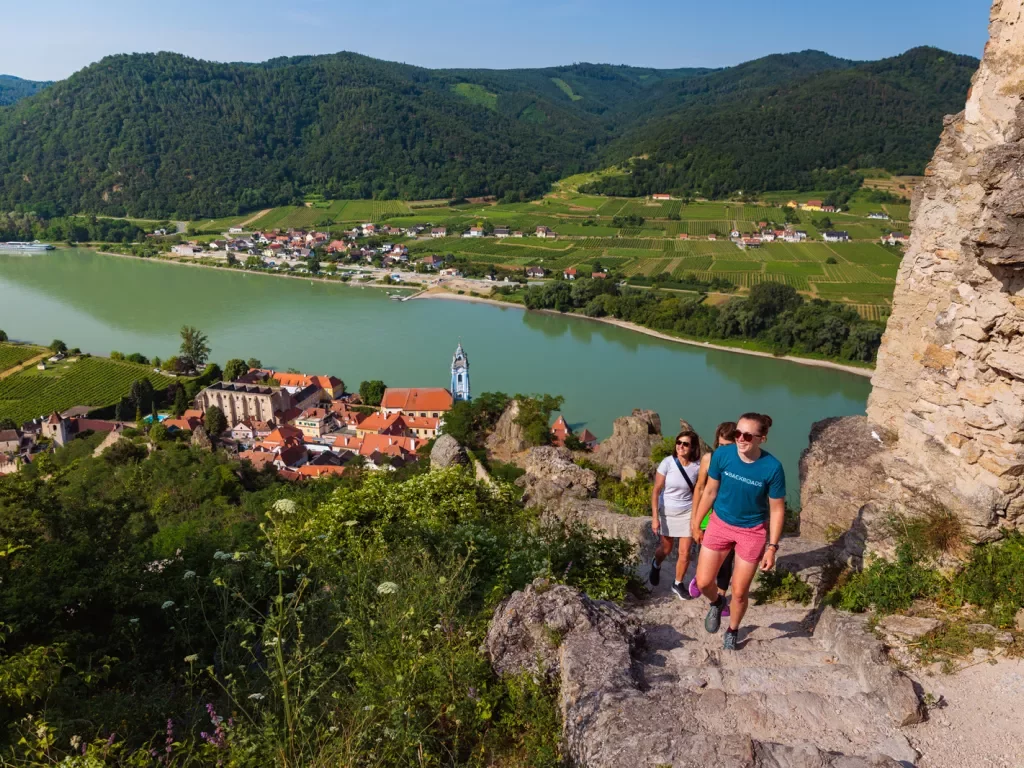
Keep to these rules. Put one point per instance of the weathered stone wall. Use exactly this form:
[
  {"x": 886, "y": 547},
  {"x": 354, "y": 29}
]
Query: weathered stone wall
[{"x": 949, "y": 386}]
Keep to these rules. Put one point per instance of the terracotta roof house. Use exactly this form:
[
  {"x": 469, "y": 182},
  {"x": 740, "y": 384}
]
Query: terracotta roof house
[
  {"x": 382, "y": 424},
  {"x": 319, "y": 470},
  {"x": 347, "y": 443},
  {"x": 570, "y": 273},
  {"x": 560, "y": 430},
  {"x": 259, "y": 459},
  {"x": 422, "y": 401},
  {"x": 282, "y": 436},
  {"x": 598, "y": 275},
  {"x": 588, "y": 439}
]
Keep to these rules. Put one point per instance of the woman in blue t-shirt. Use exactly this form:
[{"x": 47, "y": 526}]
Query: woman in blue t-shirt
[{"x": 746, "y": 486}]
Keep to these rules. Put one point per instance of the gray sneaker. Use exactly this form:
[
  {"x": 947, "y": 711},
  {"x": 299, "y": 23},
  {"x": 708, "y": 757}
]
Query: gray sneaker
[
  {"x": 713, "y": 620},
  {"x": 729, "y": 644}
]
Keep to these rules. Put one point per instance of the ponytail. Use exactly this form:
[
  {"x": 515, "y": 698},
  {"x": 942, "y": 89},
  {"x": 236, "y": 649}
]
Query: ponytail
[{"x": 763, "y": 421}]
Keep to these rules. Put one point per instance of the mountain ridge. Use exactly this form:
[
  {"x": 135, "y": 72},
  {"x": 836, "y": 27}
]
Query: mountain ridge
[{"x": 165, "y": 134}]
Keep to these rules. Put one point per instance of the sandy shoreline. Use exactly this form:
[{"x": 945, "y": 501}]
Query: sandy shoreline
[{"x": 864, "y": 372}]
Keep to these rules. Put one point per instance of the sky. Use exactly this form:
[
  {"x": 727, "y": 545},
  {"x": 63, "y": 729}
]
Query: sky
[{"x": 53, "y": 40}]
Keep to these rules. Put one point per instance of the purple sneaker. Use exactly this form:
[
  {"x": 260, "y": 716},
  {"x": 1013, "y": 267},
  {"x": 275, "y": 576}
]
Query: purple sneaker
[
  {"x": 694, "y": 592},
  {"x": 725, "y": 610}
]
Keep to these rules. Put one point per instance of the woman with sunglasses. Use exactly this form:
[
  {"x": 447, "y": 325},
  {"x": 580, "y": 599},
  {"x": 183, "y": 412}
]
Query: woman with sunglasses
[
  {"x": 671, "y": 504},
  {"x": 747, "y": 488},
  {"x": 723, "y": 436}
]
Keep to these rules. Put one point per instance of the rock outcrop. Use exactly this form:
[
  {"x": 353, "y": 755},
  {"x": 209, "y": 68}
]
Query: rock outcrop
[
  {"x": 627, "y": 453},
  {"x": 563, "y": 489},
  {"x": 447, "y": 452},
  {"x": 506, "y": 442},
  {"x": 948, "y": 391},
  {"x": 805, "y": 691},
  {"x": 200, "y": 439}
]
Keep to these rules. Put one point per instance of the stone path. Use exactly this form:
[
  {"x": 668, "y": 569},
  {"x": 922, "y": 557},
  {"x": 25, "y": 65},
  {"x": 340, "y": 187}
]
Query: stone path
[{"x": 789, "y": 683}]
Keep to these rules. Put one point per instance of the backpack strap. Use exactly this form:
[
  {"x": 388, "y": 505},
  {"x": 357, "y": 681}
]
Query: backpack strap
[{"x": 682, "y": 472}]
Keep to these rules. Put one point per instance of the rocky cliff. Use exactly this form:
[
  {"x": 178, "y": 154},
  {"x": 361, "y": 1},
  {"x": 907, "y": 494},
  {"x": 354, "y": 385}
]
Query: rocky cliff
[{"x": 948, "y": 394}]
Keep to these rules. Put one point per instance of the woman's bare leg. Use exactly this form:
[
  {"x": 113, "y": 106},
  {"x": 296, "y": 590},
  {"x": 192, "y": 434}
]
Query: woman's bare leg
[
  {"x": 708, "y": 563},
  {"x": 664, "y": 549},
  {"x": 742, "y": 576},
  {"x": 683, "y": 558}
]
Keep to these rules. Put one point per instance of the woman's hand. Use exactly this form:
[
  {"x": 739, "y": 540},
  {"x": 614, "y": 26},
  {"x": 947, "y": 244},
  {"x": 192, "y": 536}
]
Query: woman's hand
[
  {"x": 655, "y": 524},
  {"x": 698, "y": 535},
  {"x": 768, "y": 561}
]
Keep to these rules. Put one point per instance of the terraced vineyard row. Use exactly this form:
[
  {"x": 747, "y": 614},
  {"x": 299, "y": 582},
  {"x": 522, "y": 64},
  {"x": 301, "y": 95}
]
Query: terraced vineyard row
[
  {"x": 15, "y": 354},
  {"x": 90, "y": 381}
]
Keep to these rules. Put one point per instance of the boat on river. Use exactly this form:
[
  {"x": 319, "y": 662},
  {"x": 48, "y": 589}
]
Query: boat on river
[{"x": 34, "y": 246}]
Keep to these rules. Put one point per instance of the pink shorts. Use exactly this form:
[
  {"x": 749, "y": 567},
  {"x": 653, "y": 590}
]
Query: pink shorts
[{"x": 748, "y": 542}]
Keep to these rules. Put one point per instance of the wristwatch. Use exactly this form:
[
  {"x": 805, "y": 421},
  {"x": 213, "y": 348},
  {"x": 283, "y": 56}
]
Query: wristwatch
[{"x": 773, "y": 546}]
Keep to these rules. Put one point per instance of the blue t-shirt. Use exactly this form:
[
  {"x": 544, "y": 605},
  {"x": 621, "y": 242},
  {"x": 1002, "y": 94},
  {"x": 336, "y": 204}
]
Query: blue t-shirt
[{"x": 745, "y": 488}]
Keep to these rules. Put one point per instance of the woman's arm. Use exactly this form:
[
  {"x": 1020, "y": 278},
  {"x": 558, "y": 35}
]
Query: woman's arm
[
  {"x": 659, "y": 486},
  {"x": 698, "y": 491},
  {"x": 707, "y": 498},
  {"x": 777, "y": 517}
]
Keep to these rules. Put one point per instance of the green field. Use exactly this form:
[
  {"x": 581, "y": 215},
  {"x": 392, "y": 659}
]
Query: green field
[
  {"x": 15, "y": 354},
  {"x": 94, "y": 381},
  {"x": 862, "y": 273}
]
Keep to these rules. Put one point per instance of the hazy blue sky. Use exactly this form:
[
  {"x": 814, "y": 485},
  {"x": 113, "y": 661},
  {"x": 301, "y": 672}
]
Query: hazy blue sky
[{"x": 54, "y": 39}]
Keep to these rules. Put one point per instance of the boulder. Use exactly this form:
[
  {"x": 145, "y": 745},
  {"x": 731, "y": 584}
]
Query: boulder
[
  {"x": 200, "y": 439},
  {"x": 840, "y": 472},
  {"x": 627, "y": 452},
  {"x": 447, "y": 452},
  {"x": 908, "y": 627},
  {"x": 506, "y": 442},
  {"x": 553, "y": 479}
]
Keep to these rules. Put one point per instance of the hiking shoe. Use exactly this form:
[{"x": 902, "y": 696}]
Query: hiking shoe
[
  {"x": 694, "y": 592},
  {"x": 725, "y": 608},
  {"x": 655, "y": 576},
  {"x": 714, "y": 618},
  {"x": 678, "y": 591},
  {"x": 731, "y": 635}
]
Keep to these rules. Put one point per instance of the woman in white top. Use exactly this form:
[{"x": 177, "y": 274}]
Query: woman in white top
[{"x": 671, "y": 503}]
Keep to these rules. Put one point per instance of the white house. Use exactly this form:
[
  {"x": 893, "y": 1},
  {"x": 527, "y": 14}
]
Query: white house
[
  {"x": 438, "y": 232},
  {"x": 831, "y": 236}
]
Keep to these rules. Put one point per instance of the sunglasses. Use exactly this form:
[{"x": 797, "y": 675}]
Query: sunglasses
[
  {"x": 686, "y": 443},
  {"x": 744, "y": 436}
]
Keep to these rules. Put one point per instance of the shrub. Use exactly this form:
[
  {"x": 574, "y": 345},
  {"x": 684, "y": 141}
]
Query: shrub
[
  {"x": 886, "y": 586},
  {"x": 781, "y": 586}
]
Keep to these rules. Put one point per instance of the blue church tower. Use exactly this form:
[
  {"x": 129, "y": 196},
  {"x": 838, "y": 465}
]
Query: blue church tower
[{"x": 460, "y": 374}]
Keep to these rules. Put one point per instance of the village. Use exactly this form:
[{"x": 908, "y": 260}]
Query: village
[{"x": 299, "y": 425}]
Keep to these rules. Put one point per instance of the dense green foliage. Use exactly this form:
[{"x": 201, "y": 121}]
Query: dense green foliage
[
  {"x": 14, "y": 88},
  {"x": 469, "y": 421},
  {"x": 74, "y": 229},
  {"x": 155, "y": 135},
  {"x": 884, "y": 114},
  {"x": 773, "y": 314},
  {"x": 339, "y": 622}
]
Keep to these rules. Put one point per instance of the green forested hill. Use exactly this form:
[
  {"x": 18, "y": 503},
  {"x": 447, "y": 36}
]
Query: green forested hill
[
  {"x": 885, "y": 114},
  {"x": 154, "y": 135},
  {"x": 14, "y": 88}
]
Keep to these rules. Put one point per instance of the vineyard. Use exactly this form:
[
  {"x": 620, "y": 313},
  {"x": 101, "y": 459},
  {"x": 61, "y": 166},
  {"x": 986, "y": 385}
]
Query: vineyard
[
  {"x": 89, "y": 381},
  {"x": 16, "y": 354}
]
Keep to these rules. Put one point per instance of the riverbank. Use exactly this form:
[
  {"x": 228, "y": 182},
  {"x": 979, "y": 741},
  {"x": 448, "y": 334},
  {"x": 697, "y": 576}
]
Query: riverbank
[
  {"x": 809, "y": 361},
  {"x": 310, "y": 278}
]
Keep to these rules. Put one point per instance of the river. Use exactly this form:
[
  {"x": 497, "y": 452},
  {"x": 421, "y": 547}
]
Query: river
[{"x": 103, "y": 303}]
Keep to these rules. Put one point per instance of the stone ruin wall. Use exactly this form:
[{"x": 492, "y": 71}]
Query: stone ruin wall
[{"x": 948, "y": 391}]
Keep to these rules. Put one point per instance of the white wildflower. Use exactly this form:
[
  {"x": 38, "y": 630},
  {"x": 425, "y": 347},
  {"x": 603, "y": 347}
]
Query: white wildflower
[
  {"x": 76, "y": 741},
  {"x": 168, "y": 604},
  {"x": 257, "y": 696},
  {"x": 284, "y": 506},
  {"x": 387, "y": 588},
  {"x": 192, "y": 658},
  {"x": 189, "y": 575},
  {"x": 133, "y": 621},
  {"x": 350, "y": 523}
]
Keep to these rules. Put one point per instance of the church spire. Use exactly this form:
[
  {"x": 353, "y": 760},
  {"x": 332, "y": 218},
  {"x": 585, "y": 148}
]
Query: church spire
[{"x": 460, "y": 374}]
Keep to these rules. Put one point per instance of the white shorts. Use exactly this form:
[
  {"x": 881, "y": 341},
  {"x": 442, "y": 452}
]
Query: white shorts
[{"x": 675, "y": 523}]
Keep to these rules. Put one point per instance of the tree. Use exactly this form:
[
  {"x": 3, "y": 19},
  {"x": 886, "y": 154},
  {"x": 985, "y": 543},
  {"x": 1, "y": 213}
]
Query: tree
[
  {"x": 58, "y": 347},
  {"x": 157, "y": 432},
  {"x": 535, "y": 417},
  {"x": 254, "y": 362},
  {"x": 3, "y": 335},
  {"x": 214, "y": 421},
  {"x": 142, "y": 394},
  {"x": 8, "y": 424},
  {"x": 253, "y": 262},
  {"x": 314, "y": 265},
  {"x": 195, "y": 348},
  {"x": 180, "y": 402},
  {"x": 372, "y": 392},
  {"x": 234, "y": 368}
]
